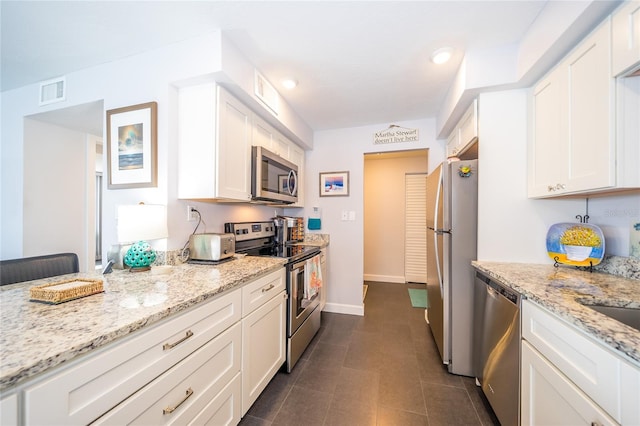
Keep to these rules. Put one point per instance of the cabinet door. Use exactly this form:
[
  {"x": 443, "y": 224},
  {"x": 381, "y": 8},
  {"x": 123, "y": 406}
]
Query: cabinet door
[
  {"x": 263, "y": 345},
  {"x": 590, "y": 91},
  {"x": 262, "y": 133},
  {"x": 626, "y": 38},
  {"x": 452, "y": 143},
  {"x": 547, "y": 154},
  {"x": 281, "y": 146},
  {"x": 233, "y": 158},
  {"x": 549, "y": 398},
  {"x": 469, "y": 126},
  {"x": 9, "y": 410}
]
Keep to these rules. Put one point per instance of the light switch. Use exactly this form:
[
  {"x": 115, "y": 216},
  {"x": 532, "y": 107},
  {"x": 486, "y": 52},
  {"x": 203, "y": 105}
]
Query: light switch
[
  {"x": 352, "y": 215},
  {"x": 345, "y": 215}
]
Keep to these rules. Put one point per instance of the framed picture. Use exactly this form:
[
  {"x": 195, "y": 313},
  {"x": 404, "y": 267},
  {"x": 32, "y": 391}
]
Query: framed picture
[
  {"x": 334, "y": 184},
  {"x": 283, "y": 183},
  {"x": 132, "y": 146}
]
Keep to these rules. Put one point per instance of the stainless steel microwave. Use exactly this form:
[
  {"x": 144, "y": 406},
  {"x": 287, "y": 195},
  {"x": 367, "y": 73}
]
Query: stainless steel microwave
[{"x": 273, "y": 179}]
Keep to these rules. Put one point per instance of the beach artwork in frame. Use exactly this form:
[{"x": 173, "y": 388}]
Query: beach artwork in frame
[
  {"x": 334, "y": 184},
  {"x": 132, "y": 146}
]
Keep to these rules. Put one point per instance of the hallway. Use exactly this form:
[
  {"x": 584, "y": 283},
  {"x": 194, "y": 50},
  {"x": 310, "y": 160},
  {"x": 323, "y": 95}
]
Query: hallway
[{"x": 379, "y": 369}]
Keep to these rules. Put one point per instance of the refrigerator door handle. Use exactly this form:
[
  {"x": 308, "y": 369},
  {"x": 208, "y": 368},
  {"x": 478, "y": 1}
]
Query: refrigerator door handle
[
  {"x": 435, "y": 249},
  {"x": 438, "y": 231}
]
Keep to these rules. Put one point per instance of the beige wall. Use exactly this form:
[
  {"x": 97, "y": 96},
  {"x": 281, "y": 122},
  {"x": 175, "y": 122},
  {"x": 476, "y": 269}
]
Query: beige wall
[{"x": 384, "y": 211}]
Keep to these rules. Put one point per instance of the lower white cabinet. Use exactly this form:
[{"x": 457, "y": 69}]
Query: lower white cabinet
[
  {"x": 188, "y": 390},
  {"x": 263, "y": 340},
  {"x": 87, "y": 389},
  {"x": 204, "y": 366},
  {"x": 565, "y": 371},
  {"x": 9, "y": 410},
  {"x": 549, "y": 398}
]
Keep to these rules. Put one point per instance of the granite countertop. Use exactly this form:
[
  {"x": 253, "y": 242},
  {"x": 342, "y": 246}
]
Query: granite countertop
[
  {"x": 35, "y": 337},
  {"x": 563, "y": 291},
  {"x": 316, "y": 240}
]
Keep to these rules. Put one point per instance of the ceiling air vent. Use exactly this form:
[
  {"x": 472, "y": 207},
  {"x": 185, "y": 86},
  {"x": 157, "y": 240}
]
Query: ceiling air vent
[
  {"x": 52, "y": 91},
  {"x": 266, "y": 93}
]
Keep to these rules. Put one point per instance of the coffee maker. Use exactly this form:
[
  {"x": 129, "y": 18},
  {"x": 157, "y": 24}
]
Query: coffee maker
[{"x": 288, "y": 229}]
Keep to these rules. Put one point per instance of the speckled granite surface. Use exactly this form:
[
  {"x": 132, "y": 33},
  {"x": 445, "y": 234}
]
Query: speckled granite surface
[
  {"x": 563, "y": 291},
  {"x": 320, "y": 240},
  {"x": 35, "y": 337}
]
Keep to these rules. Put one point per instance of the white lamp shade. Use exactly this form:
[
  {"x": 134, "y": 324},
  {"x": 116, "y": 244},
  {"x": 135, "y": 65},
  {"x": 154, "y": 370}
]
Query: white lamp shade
[{"x": 142, "y": 222}]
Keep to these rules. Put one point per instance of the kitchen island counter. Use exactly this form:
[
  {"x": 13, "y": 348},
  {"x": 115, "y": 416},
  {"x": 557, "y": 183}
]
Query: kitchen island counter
[
  {"x": 34, "y": 337},
  {"x": 565, "y": 290}
]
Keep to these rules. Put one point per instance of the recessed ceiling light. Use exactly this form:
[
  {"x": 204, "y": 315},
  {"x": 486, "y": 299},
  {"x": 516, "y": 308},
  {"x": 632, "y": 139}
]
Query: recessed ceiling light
[
  {"x": 289, "y": 83},
  {"x": 441, "y": 55}
]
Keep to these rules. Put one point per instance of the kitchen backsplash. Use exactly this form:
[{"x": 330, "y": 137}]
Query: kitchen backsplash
[{"x": 628, "y": 267}]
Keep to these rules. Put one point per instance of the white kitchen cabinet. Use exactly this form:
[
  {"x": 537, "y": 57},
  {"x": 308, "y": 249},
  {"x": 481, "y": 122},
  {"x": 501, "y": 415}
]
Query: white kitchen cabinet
[
  {"x": 84, "y": 390},
  {"x": 602, "y": 376},
  {"x": 547, "y": 154},
  {"x": 214, "y": 154},
  {"x": 268, "y": 137},
  {"x": 186, "y": 390},
  {"x": 465, "y": 132},
  {"x": 572, "y": 147},
  {"x": 625, "y": 41},
  {"x": 549, "y": 398},
  {"x": 9, "y": 410},
  {"x": 262, "y": 134},
  {"x": 263, "y": 334}
]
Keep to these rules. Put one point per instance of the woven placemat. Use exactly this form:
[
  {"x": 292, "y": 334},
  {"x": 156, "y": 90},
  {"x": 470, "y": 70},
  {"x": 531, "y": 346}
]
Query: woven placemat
[{"x": 64, "y": 291}]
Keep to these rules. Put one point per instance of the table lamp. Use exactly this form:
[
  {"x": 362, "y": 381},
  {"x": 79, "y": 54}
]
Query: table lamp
[{"x": 138, "y": 224}]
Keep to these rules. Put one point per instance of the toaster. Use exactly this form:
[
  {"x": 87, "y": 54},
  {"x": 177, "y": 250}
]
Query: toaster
[{"x": 211, "y": 246}]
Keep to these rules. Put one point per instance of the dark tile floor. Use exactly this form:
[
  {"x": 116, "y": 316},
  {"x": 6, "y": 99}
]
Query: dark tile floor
[{"x": 379, "y": 369}]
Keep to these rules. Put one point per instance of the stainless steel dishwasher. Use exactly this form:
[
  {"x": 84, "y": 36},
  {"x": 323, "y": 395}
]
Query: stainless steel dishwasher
[{"x": 497, "y": 346}]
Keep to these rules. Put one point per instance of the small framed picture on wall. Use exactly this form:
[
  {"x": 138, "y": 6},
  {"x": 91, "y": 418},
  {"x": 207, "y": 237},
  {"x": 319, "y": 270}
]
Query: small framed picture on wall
[{"x": 334, "y": 184}]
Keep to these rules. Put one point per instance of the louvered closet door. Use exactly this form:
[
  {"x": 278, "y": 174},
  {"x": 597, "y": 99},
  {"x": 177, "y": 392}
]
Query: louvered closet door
[{"x": 415, "y": 250}]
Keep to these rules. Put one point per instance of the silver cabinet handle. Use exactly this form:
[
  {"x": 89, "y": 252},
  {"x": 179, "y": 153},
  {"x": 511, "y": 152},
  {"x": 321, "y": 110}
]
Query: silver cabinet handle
[
  {"x": 266, "y": 289},
  {"x": 168, "y": 346},
  {"x": 170, "y": 410}
]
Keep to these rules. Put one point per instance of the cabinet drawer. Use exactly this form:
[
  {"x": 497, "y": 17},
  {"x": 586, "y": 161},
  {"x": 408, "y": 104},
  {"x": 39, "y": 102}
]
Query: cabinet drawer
[
  {"x": 262, "y": 290},
  {"x": 183, "y": 392},
  {"x": 86, "y": 389},
  {"x": 549, "y": 398},
  {"x": 592, "y": 368}
]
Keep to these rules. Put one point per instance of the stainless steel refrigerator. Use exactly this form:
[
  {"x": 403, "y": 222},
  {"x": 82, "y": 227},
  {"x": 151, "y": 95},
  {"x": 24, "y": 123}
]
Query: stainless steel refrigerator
[{"x": 452, "y": 210}]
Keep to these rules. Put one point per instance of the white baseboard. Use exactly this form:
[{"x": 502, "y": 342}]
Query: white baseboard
[
  {"x": 339, "y": 308},
  {"x": 384, "y": 278}
]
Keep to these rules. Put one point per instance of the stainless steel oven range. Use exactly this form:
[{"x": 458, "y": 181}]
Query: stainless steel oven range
[{"x": 303, "y": 314}]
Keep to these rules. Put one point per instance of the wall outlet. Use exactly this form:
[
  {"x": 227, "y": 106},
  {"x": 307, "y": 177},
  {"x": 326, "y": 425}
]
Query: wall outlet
[{"x": 191, "y": 214}]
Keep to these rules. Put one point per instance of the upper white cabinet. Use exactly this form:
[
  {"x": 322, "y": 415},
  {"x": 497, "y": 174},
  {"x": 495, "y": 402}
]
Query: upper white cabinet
[
  {"x": 216, "y": 132},
  {"x": 572, "y": 148},
  {"x": 266, "y": 136},
  {"x": 214, "y": 154},
  {"x": 626, "y": 38},
  {"x": 465, "y": 132}
]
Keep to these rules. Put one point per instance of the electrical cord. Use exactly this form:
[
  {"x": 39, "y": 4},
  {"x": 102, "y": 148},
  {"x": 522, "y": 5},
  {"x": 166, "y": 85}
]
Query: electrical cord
[{"x": 184, "y": 257}]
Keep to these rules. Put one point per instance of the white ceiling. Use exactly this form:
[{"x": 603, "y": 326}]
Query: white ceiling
[{"x": 358, "y": 63}]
